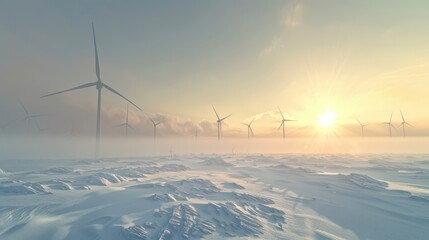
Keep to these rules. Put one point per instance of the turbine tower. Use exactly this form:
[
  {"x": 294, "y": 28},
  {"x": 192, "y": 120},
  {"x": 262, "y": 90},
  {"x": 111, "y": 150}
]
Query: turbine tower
[
  {"x": 98, "y": 85},
  {"x": 126, "y": 124},
  {"x": 362, "y": 126},
  {"x": 249, "y": 129},
  {"x": 403, "y": 123},
  {"x": 29, "y": 117},
  {"x": 155, "y": 124},
  {"x": 219, "y": 124},
  {"x": 389, "y": 123},
  {"x": 282, "y": 124}
]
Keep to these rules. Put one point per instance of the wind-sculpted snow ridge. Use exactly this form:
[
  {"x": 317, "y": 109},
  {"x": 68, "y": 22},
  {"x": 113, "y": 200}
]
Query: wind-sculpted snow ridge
[
  {"x": 167, "y": 197},
  {"x": 232, "y": 185},
  {"x": 163, "y": 168},
  {"x": 58, "y": 184},
  {"x": 232, "y": 220},
  {"x": 216, "y": 162},
  {"x": 252, "y": 198},
  {"x": 19, "y": 187},
  {"x": 195, "y": 221},
  {"x": 58, "y": 170},
  {"x": 104, "y": 179},
  {"x": 136, "y": 232},
  {"x": 365, "y": 181}
]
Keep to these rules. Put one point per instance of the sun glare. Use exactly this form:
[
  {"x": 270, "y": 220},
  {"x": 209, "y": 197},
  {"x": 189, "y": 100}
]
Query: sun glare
[{"x": 327, "y": 119}]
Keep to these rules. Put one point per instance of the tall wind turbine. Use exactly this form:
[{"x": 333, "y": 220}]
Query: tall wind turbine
[
  {"x": 282, "y": 124},
  {"x": 29, "y": 117},
  {"x": 98, "y": 85},
  {"x": 249, "y": 129},
  {"x": 126, "y": 124},
  {"x": 389, "y": 123},
  {"x": 155, "y": 124},
  {"x": 362, "y": 126},
  {"x": 403, "y": 123},
  {"x": 219, "y": 124}
]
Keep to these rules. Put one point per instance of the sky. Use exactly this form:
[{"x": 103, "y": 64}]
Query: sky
[{"x": 175, "y": 59}]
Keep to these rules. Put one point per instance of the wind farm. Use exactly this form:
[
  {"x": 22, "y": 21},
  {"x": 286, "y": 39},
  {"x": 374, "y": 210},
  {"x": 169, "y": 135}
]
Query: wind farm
[{"x": 214, "y": 120}]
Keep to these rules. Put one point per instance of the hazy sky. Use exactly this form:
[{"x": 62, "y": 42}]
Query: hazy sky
[{"x": 359, "y": 59}]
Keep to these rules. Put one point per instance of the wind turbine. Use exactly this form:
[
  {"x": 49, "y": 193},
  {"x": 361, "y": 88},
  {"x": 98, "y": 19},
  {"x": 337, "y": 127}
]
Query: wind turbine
[
  {"x": 389, "y": 123},
  {"x": 155, "y": 124},
  {"x": 362, "y": 126},
  {"x": 282, "y": 124},
  {"x": 249, "y": 129},
  {"x": 98, "y": 85},
  {"x": 126, "y": 124},
  {"x": 29, "y": 117},
  {"x": 403, "y": 123},
  {"x": 219, "y": 124}
]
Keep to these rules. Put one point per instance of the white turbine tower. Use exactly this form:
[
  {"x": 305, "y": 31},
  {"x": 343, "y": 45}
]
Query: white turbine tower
[
  {"x": 389, "y": 123},
  {"x": 98, "y": 85},
  {"x": 362, "y": 126},
  {"x": 282, "y": 124},
  {"x": 249, "y": 129},
  {"x": 403, "y": 123},
  {"x": 126, "y": 124},
  {"x": 219, "y": 124},
  {"x": 155, "y": 124}
]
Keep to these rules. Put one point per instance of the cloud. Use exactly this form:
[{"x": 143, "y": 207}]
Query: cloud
[
  {"x": 275, "y": 43},
  {"x": 292, "y": 14},
  {"x": 271, "y": 114}
]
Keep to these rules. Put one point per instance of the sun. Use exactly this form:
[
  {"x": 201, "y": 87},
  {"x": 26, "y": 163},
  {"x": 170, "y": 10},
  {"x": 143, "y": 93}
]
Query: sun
[{"x": 327, "y": 119}]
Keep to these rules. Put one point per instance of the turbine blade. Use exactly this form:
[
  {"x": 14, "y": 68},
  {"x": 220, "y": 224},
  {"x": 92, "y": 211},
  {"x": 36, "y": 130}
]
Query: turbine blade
[
  {"x": 281, "y": 124},
  {"x": 152, "y": 121},
  {"x": 117, "y": 93},
  {"x": 281, "y": 113},
  {"x": 403, "y": 120},
  {"x": 97, "y": 65},
  {"x": 226, "y": 117},
  {"x": 251, "y": 122},
  {"x": 22, "y": 105},
  {"x": 120, "y": 125},
  {"x": 359, "y": 122},
  {"x": 130, "y": 126},
  {"x": 71, "y": 89},
  {"x": 217, "y": 115},
  {"x": 391, "y": 117}
]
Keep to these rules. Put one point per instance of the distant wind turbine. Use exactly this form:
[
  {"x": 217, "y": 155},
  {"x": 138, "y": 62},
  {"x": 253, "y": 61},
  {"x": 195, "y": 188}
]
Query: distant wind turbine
[
  {"x": 362, "y": 126},
  {"x": 389, "y": 123},
  {"x": 249, "y": 129},
  {"x": 282, "y": 124},
  {"x": 219, "y": 124},
  {"x": 126, "y": 124},
  {"x": 403, "y": 123},
  {"x": 30, "y": 117},
  {"x": 155, "y": 124},
  {"x": 98, "y": 85}
]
